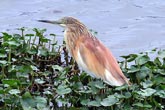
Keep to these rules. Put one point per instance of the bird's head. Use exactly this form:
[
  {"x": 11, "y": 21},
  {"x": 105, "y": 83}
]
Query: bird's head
[{"x": 64, "y": 22}]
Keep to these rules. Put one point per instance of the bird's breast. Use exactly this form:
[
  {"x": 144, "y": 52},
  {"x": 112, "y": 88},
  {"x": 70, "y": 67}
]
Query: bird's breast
[
  {"x": 83, "y": 65},
  {"x": 66, "y": 39}
]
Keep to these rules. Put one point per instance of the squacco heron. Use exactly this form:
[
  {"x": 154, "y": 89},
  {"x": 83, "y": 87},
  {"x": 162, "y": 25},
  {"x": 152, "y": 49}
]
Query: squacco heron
[{"x": 89, "y": 53}]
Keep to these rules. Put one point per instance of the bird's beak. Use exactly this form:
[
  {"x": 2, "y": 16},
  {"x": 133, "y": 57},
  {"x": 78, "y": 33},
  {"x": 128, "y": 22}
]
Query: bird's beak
[
  {"x": 58, "y": 22},
  {"x": 49, "y": 21}
]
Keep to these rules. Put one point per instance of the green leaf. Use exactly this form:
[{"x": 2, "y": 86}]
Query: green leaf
[
  {"x": 94, "y": 103},
  {"x": 13, "y": 43},
  {"x": 142, "y": 59},
  {"x": 57, "y": 67},
  {"x": 158, "y": 80},
  {"x": 126, "y": 95},
  {"x": 98, "y": 84},
  {"x": 39, "y": 81},
  {"x": 120, "y": 88},
  {"x": 147, "y": 92},
  {"x": 32, "y": 51},
  {"x": 111, "y": 100},
  {"x": 41, "y": 103},
  {"x": 11, "y": 82},
  {"x": 86, "y": 91},
  {"x": 29, "y": 35},
  {"x": 47, "y": 92},
  {"x": 157, "y": 61},
  {"x": 144, "y": 71},
  {"x": 160, "y": 93},
  {"x": 62, "y": 89},
  {"x": 138, "y": 104},
  {"x": 34, "y": 67},
  {"x": 133, "y": 69},
  {"x": 6, "y": 36},
  {"x": 2, "y": 55},
  {"x": 130, "y": 57},
  {"x": 2, "y": 91},
  {"x": 161, "y": 53},
  {"x": 45, "y": 40},
  {"x": 43, "y": 52},
  {"x": 61, "y": 100},
  {"x": 85, "y": 101},
  {"x": 147, "y": 84},
  {"x": 24, "y": 68},
  {"x": 161, "y": 71},
  {"x": 4, "y": 62},
  {"x": 147, "y": 106},
  {"x": 14, "y": 91},
  {"x": 78, "y": 85},
  {"x": 27, "y": 102}
]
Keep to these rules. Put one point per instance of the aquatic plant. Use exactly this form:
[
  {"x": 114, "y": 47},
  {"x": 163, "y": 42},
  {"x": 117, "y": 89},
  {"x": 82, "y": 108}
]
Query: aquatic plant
[{"x": 36, "y": 73}]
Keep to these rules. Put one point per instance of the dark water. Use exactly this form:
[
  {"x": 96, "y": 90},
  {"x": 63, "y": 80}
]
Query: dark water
[{"x": 125, "y": 26}]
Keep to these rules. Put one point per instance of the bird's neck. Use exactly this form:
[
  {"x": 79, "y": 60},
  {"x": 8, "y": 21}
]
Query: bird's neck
[{"x": 77, "y": 30}]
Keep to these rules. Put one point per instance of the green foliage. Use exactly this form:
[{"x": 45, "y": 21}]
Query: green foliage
[{"x": 37, "y": 74}]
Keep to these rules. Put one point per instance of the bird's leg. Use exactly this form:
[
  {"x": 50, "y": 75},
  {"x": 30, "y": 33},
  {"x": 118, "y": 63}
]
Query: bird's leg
[
  {"x": 66, "y": 55},
  {"x": 75, "y": 68}
]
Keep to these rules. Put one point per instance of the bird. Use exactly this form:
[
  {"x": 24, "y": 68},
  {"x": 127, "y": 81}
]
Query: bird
[{"x": 90, "y": 54}]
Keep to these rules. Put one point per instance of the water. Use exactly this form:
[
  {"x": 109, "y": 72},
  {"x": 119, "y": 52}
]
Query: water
[{"x": 124, "y": 26}]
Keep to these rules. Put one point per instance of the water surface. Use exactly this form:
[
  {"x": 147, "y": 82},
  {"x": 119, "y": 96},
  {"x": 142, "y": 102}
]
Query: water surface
[{"x": 125, "y": 26}]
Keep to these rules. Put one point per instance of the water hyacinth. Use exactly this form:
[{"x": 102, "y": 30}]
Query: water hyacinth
[{"x": 36, "y": 73}]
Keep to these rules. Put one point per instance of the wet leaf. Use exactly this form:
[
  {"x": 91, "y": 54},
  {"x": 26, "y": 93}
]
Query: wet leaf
[
  {"x": 29, "y": 35},
  {"x": 159, "y": 80},
  {"x": 138, "y": 104},
  {"x": 130, "y": 57},
  {"x": 62, "y": 89},
  {"x": 11, "y": 82},
  {"x": 45, "y": 40},
  {"x": 14, "y": 91},
  {"x": 146, "y": 92},
  {"x": 39, "y": 77},
  {"x": 120, "y": 88},
  {"x": 144, "y": 71},
  {"x": 41, "y": 103},
  {"x": 57, "y": 67},
  {"x": 142, "y": 59},
  {"x": 161, "y": 53},
  {"x": 111, "y": 100},
  {"x": 147, "y": 84},
  {"x": 161, "y": 93},
  {"x": 161, "y": 71},
  {"x": 133, "y": 69},
  {"x": 142, "y": 105},
  {"x": 47, "y": 93},
  {"x": 94, "y": 103},
  {"x": 6, "y": 36},
  {"x": 2, "y": 55},
  {"x": 78, "y": 86},
  {"x": 39, "y": 81},
  {"x": 4, "y": 62},
  {"x": 85, "y": 101},
  {"x": 42, "y": 52},
  {"x": 27, "y": 102},
  {"x": 13, "y": 43},
  {"x": 97, "y": 84},
  {"x": 157, "y": 62},
  {"x": 24, "y": 69},
  {"x": 34, "y": 67}
]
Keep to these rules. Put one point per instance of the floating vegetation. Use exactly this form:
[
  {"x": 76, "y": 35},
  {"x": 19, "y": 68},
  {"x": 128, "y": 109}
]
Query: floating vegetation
[{"x": 36, "y": 73}]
